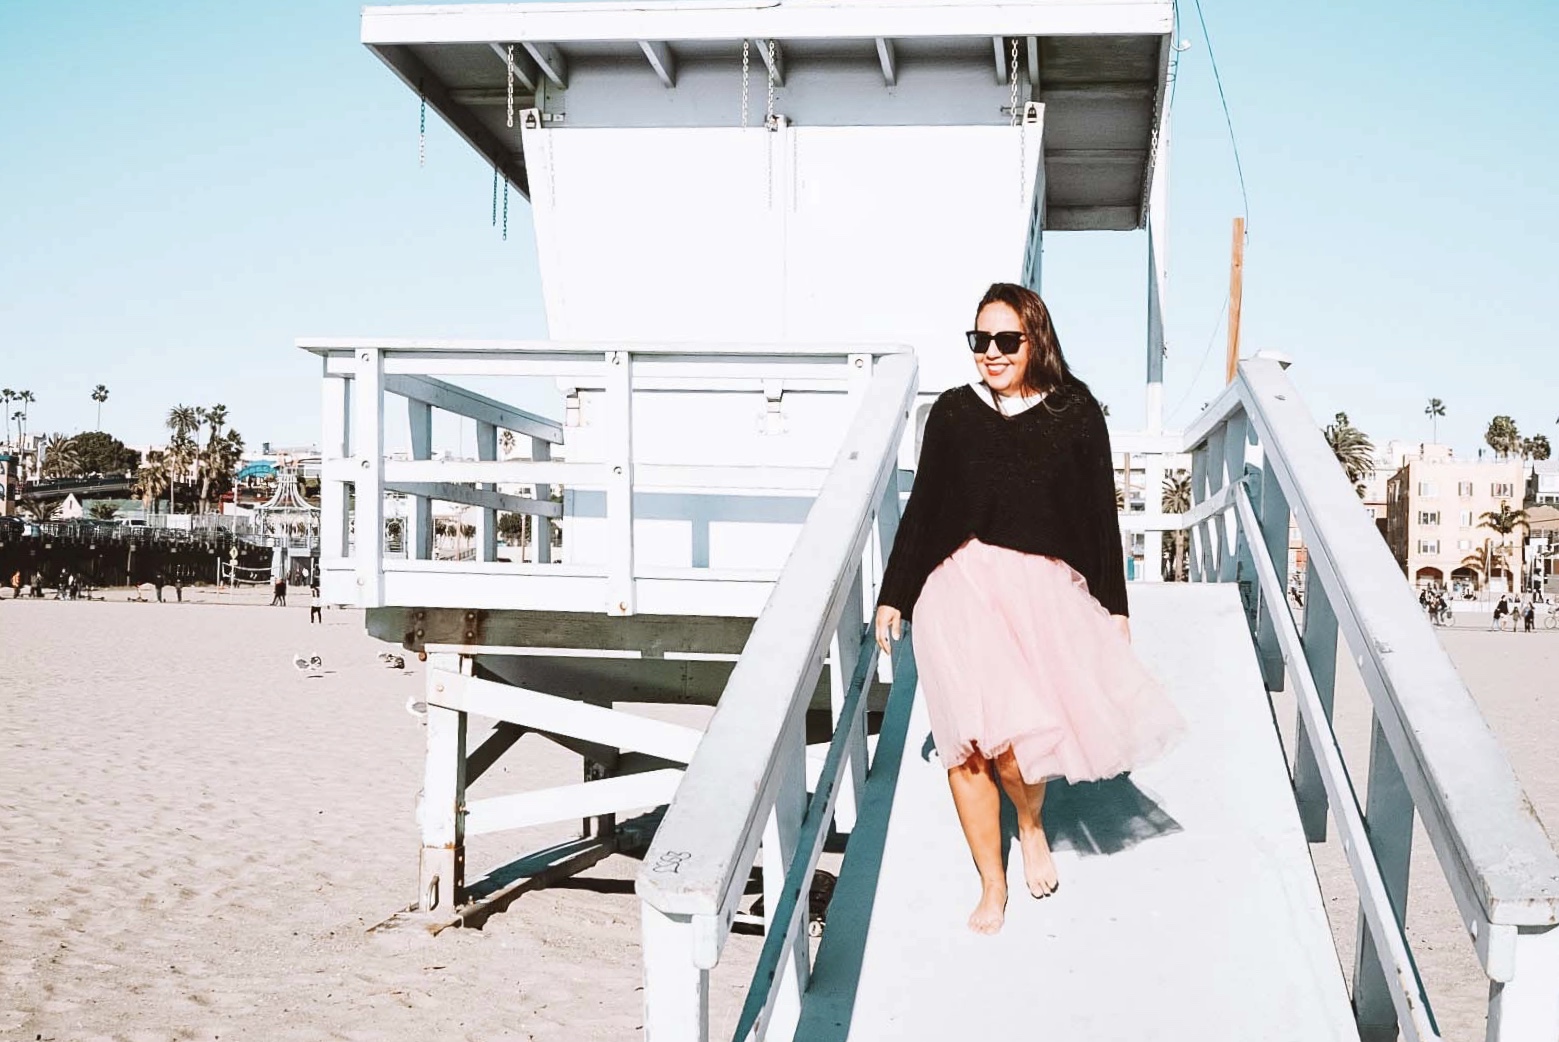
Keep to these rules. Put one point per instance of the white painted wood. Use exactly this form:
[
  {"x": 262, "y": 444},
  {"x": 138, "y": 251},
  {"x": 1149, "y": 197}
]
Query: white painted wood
[
  {"x": 419, "y": 519},
  {"x": 461, "y": 402},
  {"x": 475, "y": 496},
  {"x": 1232, "y": 551},
  {"x": 843, "y": 652},
  {"x": 773, "y": 58},
  {"x": 587, "y": 354},
  {"x": 1214, "y": 542},
  {"x": 1526, "y": 1008},
  {"x": 1000, "y": 49},
  {"x": 1197, "y": 551},
  {"x": 566, "y": 716},
  {"x": 620, "y": 597},
  {"x": 888, "y": 60},
  {"x": 1272, "y": 506},
  {"x": 368, "y": 478},
  {"x": 781, "y": 836},
  {"x": 516, "y": 472},
  {"x": 739, "y": 19},
  {"x": 1320, "y": 651},
  {"x": 1215, "y": 929},
  {"x": 676, "y": 992},
  {"x": 1495, "y": 854},
  {"x": 779, "y": 666},
  {"x": 584, "y": 800},
  {"x": 662, "y": 60},
  {"x": 1376, "y": 903},
  {"x": 1388, "y": 814},
  {"x": 487, "y": 519},
  {"x": 550, "y": 60},
  {"x": 526, "y": 74},
  {"x": 335, "y": 444},
  {"x": 541, "y": 449},
  {"x": 441, "y": 879}
]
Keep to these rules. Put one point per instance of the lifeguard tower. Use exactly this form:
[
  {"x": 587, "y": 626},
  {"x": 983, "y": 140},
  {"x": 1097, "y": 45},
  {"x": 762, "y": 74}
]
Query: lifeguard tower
[{"x": 761, "y": 225}]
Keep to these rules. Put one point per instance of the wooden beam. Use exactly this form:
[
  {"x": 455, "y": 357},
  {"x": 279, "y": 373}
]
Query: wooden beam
[
  {"x": 1033, "y": 59},
  {"x": 492, "y": 97},
  {"x": 775, "y": 62},
  {"x": 885, "y": 55},
  {"x": 551, "y": 62},
  {"x": 525, "y": 69},
  {"x": 654, "y": 636},
  {"x": 461, "y": 402},
  {"x": 1236, "y": 291},
  {"x": 412, "y": 72},
  {"x": 465, "y": 495},
  {"x": 662, "y": 60},
  {"x": 1091, "y": 218}
]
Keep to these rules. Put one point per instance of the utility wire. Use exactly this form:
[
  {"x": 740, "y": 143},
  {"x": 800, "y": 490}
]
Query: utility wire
[
  {"x": 1206, "y": 353},
  {"x": 1227, "y": 119}
]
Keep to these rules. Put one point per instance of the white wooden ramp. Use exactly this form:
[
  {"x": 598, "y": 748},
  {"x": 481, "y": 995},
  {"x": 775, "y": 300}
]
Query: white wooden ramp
[{"x": 1188, "y": 906}]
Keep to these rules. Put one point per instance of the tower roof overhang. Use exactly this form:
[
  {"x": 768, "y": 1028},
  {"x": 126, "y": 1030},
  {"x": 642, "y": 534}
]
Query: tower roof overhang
[{"x": 1100, "y": 68}]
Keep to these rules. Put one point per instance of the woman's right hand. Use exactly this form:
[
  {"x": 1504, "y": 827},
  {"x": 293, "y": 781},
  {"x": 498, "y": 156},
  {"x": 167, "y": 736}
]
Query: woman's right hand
[{"x": 890, "y": 627}]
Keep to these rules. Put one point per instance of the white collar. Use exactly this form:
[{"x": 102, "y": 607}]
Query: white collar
[{"x": 1009, "y": 406}]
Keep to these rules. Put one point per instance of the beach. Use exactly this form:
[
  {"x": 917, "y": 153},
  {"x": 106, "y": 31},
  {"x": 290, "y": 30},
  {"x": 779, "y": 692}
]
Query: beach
[{"x": 199, "y": 837}]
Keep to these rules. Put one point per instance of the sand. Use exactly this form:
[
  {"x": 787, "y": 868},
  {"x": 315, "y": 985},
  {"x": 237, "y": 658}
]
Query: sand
[{"x": 197, "y": 837}]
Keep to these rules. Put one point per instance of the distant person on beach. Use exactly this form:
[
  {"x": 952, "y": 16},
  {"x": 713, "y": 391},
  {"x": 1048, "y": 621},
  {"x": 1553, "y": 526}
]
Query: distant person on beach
[
  {"x": 16, "y": 585},
  {"x": 178, "y": 586},
  {"x": 1529, "y": 616},
  {"x": 279, "y": 592},
  {"x": 1501, "y": 610},
  {"x": 316, "y": 610},
  {"x": 75, "y": 586},
  {"x": 159, "y": 581}
]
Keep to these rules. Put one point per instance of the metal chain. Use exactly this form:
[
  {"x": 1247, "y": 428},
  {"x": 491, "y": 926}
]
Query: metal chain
[
  {"x": 509, "y": 61},
  {"x": 506, "y": 211},
  {"x": 769, "y": 119},
  {"x": 422, "y": 129},
  {"x": 1019, "y": 122},
  {"x": 495, "y": 197},
  {"x": 746, "y": 60}
]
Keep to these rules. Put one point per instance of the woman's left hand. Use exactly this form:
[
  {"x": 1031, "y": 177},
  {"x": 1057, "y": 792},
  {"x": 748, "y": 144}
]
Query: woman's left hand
[{"x": 1124, "y": 624}]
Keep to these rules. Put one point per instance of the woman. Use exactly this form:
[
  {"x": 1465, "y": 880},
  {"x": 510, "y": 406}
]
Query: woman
[{"x": 1009, "y": 558}]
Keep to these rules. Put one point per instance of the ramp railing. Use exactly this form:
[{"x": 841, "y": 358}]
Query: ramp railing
[
  {"x": 746, "y": 787},
  {"x": 1257, "y": 458}
]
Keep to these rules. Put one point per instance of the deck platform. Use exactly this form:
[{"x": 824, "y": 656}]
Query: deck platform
[{"x": 1188, "y": 907}]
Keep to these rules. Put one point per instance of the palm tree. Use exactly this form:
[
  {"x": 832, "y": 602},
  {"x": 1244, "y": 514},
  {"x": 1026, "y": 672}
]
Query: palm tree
[
  {"x": 217, "y": 460},
  {"x": 1536, "y": 447},
  {"x": 1353, "y": 449},
  {"x": 7, "y": 396},
  {"x": 183, "y": 421},
  {"x": 60, "y": 458},
  {"x": 1434, "y": 411},
  {"x": 1503, "y": 436},
  {"x": 151, "y": 479},
  {"x": 506, "y": 442},
  {"x": 1504, "y": 521},
  {"x": 104, "y": 511},
  {"x": 1176, "y": 499},
  {"x": 26, "y": 398},
  {"x": 100, "y": 395}
]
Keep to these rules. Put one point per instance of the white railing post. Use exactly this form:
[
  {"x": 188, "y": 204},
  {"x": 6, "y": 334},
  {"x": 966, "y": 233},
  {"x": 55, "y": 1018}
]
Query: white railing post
[
  {"x": 441, "y": 879},
  {"x": 1388, "y": 815},
  {"x": 335, "y": 414},
  {"x": 676, "y": 991},
  {"x": 1214, "y": 541},
  {"x": 418, "y": 537},
  {"x": 843, "y": 654},
  {"x": 368, "y": 453},
  {"x": 1196, "y": 535},
  {"x": 541, "y": 527},
  {"x": 780, "y": 841},
  {"x": 1272, "y": 508},
  {"x": 486, "y": 518},
  {"x": 1232, "y": 461},
  {"x": 1526, "y": 1008},
  {"x": 1320, "y": 644},
  {"x": 619, "y": 488}
]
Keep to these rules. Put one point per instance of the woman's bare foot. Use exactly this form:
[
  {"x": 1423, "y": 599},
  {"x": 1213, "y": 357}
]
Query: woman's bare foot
[
  {"x": 991, "y": 912},
  {"x": 1039, "y": 869}
]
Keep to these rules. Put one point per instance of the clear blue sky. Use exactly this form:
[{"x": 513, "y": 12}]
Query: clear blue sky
[{"x": 190, "y": 186}]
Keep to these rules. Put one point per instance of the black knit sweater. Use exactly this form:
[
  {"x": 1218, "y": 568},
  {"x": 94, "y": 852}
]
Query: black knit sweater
[{"x": 1041, "y": 482}]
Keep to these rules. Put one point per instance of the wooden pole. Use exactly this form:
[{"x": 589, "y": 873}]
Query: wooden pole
[{"x": 1236, "y": 287}]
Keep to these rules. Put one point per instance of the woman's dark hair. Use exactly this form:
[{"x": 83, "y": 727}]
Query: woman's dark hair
[{"x": 1046, "y": 370}]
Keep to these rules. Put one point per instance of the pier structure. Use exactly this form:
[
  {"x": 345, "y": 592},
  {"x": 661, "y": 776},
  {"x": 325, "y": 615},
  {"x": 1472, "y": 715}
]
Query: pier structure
[{"x": 760, "y": 226}]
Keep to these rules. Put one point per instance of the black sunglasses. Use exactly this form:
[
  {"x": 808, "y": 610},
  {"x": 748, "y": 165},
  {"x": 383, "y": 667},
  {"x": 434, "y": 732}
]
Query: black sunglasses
[{"x": 1007, "y": 343}]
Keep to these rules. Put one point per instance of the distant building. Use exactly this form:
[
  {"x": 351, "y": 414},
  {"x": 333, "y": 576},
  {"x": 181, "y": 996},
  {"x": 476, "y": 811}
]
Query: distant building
[
  {"x": 1388, "y": 460},
  {"x": 1543, "y": 483},
  {"x": 1543, "y": 547},
  {"x": 1433, "y": 506}
]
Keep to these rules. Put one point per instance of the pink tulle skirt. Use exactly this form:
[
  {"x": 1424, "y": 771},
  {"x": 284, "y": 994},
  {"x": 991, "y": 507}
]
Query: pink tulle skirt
[{"x": 1015, "y": 653}]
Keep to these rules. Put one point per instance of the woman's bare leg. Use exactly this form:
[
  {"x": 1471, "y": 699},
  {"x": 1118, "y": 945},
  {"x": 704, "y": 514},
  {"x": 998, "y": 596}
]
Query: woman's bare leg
[
  {"x": 1039, "y": 868},
  {"x": 978, "y": 800}
]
